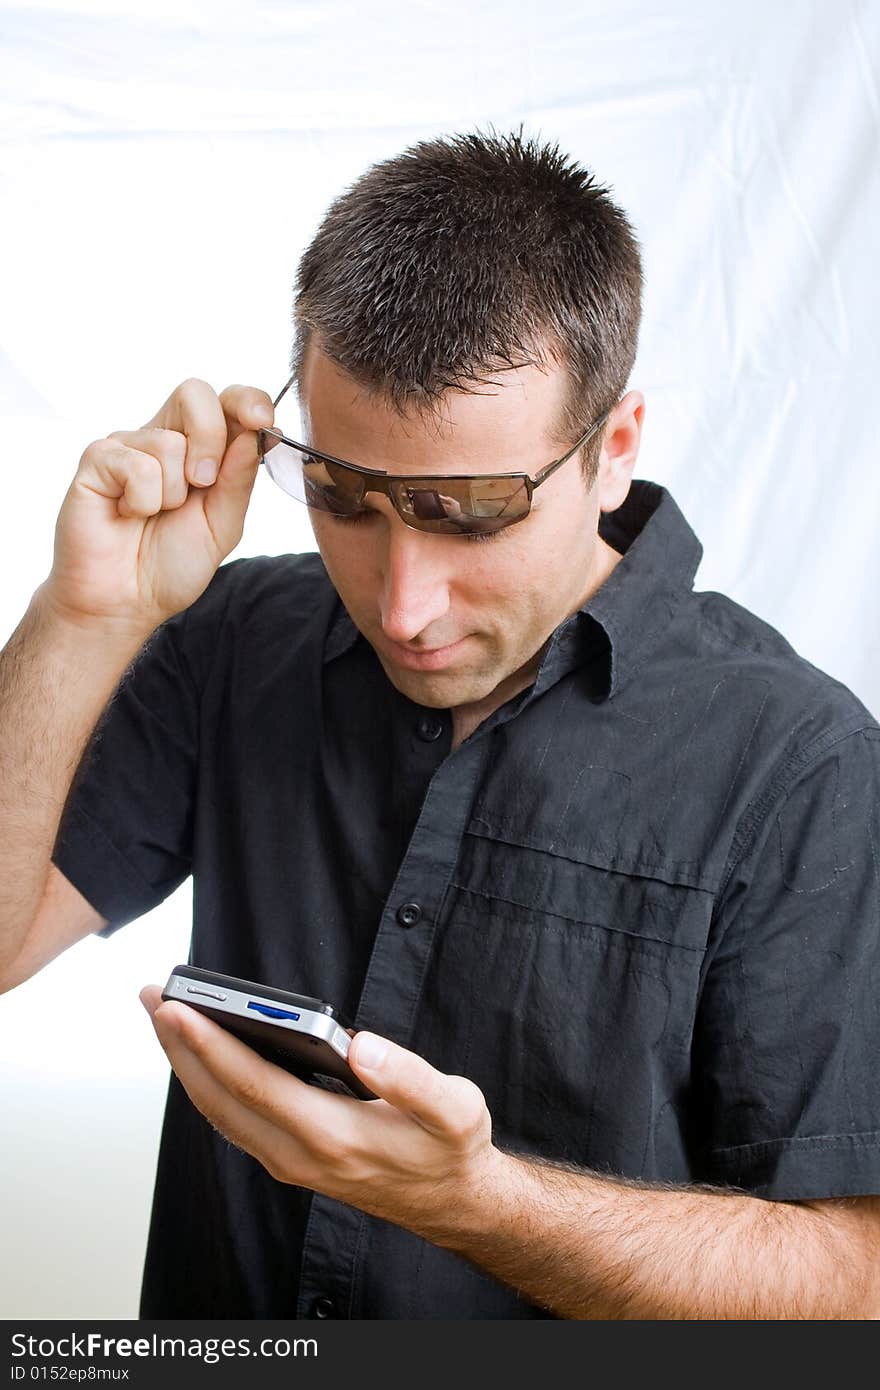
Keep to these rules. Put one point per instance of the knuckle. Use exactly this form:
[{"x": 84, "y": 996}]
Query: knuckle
[
  {"x": 96, "y": 450},
  {"x": 194, "y": 385},
  {"x": 468, "y": 1106},
  {"x": 250, "y": 1093},
  {"x": 323, "y": 1145},
  {"x": 239, "y": 397},
  {"x": 141, "y": 465},
  {"x": 203, "y": 408},
  {"x": 171, "y": 446}
]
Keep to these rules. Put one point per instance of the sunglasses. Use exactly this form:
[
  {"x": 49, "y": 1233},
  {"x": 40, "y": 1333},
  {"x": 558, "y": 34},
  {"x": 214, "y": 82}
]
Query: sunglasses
[{"x": 450, "y": 504}]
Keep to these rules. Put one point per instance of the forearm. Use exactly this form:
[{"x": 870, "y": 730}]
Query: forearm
[
  {"x": 56, "y": 678},
  {"x": 588, "y": 1247}
]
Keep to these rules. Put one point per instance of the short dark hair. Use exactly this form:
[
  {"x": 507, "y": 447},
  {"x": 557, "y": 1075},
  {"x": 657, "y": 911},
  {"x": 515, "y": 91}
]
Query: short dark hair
[{"x": 466, "y": 255}]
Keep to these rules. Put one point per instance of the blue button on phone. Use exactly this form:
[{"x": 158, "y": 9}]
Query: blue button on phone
[{"x": 271, "y": 1013}]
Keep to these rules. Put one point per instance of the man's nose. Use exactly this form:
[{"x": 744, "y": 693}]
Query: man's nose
[{"x": 415, "y": 582}]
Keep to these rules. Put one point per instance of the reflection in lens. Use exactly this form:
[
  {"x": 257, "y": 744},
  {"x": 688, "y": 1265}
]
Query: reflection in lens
[
  {"x": 330, "y": 487},
  {"x": 427, "y": 504},
  {"x": 497, "y": 498},
  {"x": 451, "y": 506},
  {"x": 444, "y": 506},
  {"x": 326, "y": 487},
  {"x": 284, "y": 466}
]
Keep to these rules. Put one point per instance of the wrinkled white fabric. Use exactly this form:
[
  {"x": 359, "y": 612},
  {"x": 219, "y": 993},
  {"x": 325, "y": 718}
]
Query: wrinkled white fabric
[{"x": 162, "y": 166}]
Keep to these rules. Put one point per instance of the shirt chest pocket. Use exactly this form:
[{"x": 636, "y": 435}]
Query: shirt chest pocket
[{"x": 567, "y": 991}]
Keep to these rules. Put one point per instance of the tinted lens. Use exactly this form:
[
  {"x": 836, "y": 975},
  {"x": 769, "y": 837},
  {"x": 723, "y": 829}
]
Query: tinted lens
[
  {"x": 453, "y": 506},
  {"x": 327, "y": 487},
  {"x": 446, "y": 506},
  {"x": 282, "y": 464}
]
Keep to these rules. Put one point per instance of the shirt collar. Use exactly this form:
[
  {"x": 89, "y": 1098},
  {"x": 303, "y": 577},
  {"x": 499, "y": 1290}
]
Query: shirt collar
[
  {"x": 620, "y": 624},
  {"x": 341, "y": 634},
  {"x": 616, "y": 628}
]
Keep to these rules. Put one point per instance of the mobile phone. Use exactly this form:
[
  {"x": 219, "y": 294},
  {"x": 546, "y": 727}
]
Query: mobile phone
[
  {"x": 305, "y": 1036},
  {"x": 426, "y": 504}
]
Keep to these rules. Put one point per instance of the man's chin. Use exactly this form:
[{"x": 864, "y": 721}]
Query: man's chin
[{"x": 435, "y": 689}]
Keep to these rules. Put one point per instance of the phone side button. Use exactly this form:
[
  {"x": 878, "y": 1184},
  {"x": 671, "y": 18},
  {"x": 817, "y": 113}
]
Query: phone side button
[
  {"x": 208, "y": 993},
  {"x": 323, "y": 1308},
  {"x": 270, "y": 1012}
]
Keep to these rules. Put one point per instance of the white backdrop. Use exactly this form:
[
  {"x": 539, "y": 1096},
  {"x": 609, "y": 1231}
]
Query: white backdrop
[{"x": 162, "y": 166}]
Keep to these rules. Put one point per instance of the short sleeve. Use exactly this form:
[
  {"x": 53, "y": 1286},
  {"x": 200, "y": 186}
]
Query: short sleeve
[
  {"x": 787, "y": 1041},
  {"x": 125, "y": 836}
]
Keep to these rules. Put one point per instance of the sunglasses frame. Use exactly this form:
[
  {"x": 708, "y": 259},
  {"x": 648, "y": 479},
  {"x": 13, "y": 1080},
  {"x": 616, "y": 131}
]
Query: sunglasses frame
[{"x": 380, "y": 475}]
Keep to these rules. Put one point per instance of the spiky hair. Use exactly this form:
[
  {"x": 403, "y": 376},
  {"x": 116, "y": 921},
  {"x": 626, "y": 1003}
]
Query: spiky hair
[{"x": 466, "y": 255}]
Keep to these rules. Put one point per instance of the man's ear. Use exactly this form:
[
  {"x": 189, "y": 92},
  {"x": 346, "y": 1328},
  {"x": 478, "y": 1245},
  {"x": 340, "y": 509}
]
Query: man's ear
[{"x": 620, "y": 449}]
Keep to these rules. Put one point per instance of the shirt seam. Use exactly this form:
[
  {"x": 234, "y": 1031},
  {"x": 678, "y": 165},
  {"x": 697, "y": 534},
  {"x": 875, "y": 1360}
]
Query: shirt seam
[
  {"x": 671, "y": 869},
  {"x": 579, "y": 921},
  {"x": 867, "y": 1137},
  {"x": 756, "y": 815},
  {"x": 713, "y": 629},
  {"x": 674, "y": 600}
]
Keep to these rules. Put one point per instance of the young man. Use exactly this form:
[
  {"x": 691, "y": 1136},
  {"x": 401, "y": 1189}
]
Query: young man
[{"x": 589, "y": 858}]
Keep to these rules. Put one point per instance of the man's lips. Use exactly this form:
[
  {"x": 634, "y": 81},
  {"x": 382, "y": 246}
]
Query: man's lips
[{"x": 421, "y": 658}]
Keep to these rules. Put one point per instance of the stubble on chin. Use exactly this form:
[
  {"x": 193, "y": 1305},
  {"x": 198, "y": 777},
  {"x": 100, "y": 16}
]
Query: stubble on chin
[
  {"x": 431, "y": 691},
  {"x": 440, "y": 690}
]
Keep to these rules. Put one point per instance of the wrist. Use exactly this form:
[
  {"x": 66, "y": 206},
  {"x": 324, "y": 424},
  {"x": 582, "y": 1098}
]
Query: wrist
[
  {"x": 486, "y": 1202},
  {"x": 66, "y": 629}
]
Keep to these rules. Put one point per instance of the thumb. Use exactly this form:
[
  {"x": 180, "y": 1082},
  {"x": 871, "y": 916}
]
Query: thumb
[
  {"x": 227, "y": 501},
  {"x": 444, "y": 1105}
]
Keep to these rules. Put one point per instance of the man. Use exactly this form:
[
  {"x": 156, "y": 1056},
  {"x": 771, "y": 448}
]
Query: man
[{"x": 589, "y": 858}]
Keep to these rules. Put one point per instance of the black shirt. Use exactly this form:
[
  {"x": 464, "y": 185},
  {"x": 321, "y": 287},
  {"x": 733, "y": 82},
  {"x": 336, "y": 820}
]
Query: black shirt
[{"x": 638, "y": 906}]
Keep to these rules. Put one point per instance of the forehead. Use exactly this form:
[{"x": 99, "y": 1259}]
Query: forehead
[{"x": 505, "y": 423}]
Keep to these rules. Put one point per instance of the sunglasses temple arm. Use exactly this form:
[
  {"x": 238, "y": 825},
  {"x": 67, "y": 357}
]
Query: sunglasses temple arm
[
  {"x": 584, "y": 439},
  {"x": 285, "y": 388}
]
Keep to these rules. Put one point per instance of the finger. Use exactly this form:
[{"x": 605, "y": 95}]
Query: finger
[
  {"x": 131, "y": 480},
  {"x": 443, "y": 1105},
  {"x": 151, "y": 997},
  {"x": 246, "y": 408},
  {"x": 278, "y": 1097},
  {"x": 194, "y": 410},
  {"x": 169, "y": 448},
  {"x": 297, "y": 1132},
  {"x": 226, "y": 503},
  {"x": 237, "y": 1121}
]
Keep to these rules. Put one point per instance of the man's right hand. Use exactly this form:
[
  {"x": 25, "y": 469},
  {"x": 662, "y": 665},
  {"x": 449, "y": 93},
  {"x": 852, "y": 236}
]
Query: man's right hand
[{"x": 141, "y": 533}]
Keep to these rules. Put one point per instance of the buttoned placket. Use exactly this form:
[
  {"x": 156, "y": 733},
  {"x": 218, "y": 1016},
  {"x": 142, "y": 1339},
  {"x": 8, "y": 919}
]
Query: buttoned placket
[
  {"x": 335, "y": 1233},
  {"x": 389, "y": 999}
]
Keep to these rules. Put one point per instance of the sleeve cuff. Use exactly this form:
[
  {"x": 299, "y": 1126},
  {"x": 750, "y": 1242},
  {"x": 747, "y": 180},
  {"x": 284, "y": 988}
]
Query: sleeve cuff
[
  {"x": 810, "y": 1168},
  {"x": 93, "y": 864}
]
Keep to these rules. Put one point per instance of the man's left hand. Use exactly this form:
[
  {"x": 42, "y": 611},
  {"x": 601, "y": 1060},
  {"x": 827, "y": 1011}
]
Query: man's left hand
[{"x": 420, "y": 1156}]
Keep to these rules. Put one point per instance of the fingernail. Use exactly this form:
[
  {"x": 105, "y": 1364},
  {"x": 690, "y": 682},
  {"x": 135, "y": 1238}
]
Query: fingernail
[
  {"x": 145, "y": 1004},
  {"x": 371, "y": 1051},
  {"x": 205, "y": 471},
  {"x": 263, "y": 415}
]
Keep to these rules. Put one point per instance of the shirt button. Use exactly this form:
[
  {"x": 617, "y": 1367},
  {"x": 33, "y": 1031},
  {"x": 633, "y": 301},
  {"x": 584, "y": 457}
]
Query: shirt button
[
  {"x": 408, "y": 914},
  {"x": 323, "y": 1308},
  {"x": 429, "y": 728}
]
